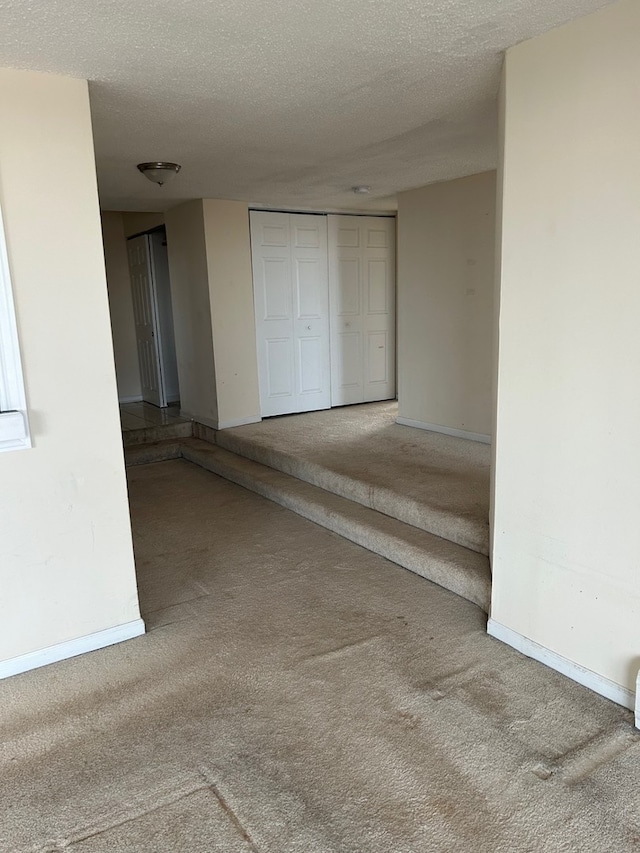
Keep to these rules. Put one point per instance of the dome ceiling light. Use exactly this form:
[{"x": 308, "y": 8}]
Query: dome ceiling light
[{"x": 159, "y": 172}]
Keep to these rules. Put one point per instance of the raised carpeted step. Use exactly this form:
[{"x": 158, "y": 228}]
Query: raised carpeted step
[
  {"x": 417, "y": 478},
  {"x": 158, "y": 451},
  {"x": 456, "y": 568},
  {"x": 161, "y": 432}
]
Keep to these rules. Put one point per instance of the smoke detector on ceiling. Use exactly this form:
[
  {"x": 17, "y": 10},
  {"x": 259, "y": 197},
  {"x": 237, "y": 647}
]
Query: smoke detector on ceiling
[{"x": 159, "y": 172}]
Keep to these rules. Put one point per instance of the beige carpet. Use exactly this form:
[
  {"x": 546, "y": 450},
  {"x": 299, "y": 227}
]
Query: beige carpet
[
  {"x": 298, "y": 694},
  {"x": 458, "y": 569},
  {"x": 432, "y": 481}
]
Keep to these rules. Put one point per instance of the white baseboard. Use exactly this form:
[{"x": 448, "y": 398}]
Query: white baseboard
[
  {"x": 457, "y": 433},
  {"x": 598, "y": 683},
  {"x": 136, "y": 399},
  {"x": 234, "y": 422},
  {"x": 72, "y": 648}
]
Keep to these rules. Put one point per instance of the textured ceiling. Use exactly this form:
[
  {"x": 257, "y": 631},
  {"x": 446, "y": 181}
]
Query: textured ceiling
[{"x": 282, "y": 102}]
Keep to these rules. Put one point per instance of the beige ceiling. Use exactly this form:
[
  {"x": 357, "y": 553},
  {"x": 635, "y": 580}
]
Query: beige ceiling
[{"x": 282, "y": 102}]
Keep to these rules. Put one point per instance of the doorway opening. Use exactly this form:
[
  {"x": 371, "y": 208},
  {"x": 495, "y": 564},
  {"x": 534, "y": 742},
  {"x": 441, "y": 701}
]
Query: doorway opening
[{"x": 153, "y": 318}]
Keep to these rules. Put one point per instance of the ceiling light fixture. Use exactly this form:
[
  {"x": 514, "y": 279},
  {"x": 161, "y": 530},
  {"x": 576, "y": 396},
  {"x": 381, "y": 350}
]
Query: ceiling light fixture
[
  {"x": 361, "y": 190},
  {"x": 159, "y": 172}
]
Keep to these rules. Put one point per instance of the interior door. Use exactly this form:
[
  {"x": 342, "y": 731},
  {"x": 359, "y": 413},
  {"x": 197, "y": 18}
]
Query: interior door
[
  {"x": 289, "y": 254},
  {"x": 145, "y": 317},
  {"x": 310, "y": 280},
  {"x": 362, "y": 298},
  {"x": 165, "y": 332}
]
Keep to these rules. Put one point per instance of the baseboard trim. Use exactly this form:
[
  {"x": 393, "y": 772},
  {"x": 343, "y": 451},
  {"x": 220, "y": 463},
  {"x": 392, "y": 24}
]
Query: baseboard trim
[
  {"x": 72, "y": 648},
  {"x": 235, "y": 422},
  {"x": 456, "y": 433},
  {"x": 598, "y": 683},
  {"x": 136, "y": 399}
]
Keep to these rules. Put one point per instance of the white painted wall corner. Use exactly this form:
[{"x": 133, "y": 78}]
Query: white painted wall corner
[
  {"x": 199, "y": 419},
  {"x": 597, "y": 683},
  {"x": 72, "y": 648},
  {"x": 234, "y": 422}
]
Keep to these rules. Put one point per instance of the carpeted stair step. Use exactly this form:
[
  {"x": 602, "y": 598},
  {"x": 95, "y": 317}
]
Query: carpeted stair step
[
  {"x": 458, "y": 569},
  {"x": 161, "y": 432},
  {"x": 466, "y": 530},
  {"x": 157, "y": 451}
]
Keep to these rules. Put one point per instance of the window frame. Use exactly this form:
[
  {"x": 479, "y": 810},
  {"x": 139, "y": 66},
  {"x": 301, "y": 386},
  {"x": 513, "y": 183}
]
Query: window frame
[{"x": 14, "y": 422}]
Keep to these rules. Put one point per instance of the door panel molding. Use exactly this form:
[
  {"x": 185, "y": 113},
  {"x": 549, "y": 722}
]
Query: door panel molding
[
  {"x": 362, "y": 302},
  {"x": 292, "y": 307}
]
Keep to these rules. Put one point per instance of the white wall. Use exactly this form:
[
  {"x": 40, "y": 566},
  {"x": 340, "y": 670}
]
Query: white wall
[
  {"x": 566, "y": 531},
  {"x": 446, "y": 244},
  {"x": 191, "y": 311},
  {"x": 231, "y": 300},
  {"x": 212, "y": 294},
  {"x": 138, "y": 222},
  {"x": 123, "y": 328},
  {"x": 66, "y": 559}
]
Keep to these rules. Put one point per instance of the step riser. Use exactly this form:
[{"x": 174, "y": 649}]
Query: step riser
[
  {"x": 448, "y": 572},
  {"x": 462, "y": 571},
  {"x": 163, "y": 432},
  {"x": 453, "y": 528},
  {"x": 143, "y": 454}
]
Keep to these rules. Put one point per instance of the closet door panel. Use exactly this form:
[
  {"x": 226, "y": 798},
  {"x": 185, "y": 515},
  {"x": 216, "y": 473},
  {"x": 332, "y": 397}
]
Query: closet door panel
[
  {"x": 291, "y": 291},
  {"x": 379, "y": 320},
  {"x": 311, "y": 311},
  {"x": 362, "y": 299},
  {"x": 271, "y": 258}
]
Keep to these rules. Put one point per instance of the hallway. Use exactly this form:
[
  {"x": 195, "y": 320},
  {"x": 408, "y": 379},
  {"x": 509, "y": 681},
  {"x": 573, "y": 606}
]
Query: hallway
[{"x": 298, "y": 694}]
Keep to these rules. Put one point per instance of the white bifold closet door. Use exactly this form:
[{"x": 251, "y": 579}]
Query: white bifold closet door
[
  {"x": 291, "y": 292},
  {"x": 362, "y": 298}
]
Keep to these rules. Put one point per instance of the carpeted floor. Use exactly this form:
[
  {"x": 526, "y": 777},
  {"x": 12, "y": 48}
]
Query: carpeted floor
[
  {"x": 298, "y": 694},
  {"x": 432, "y": 481}
]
